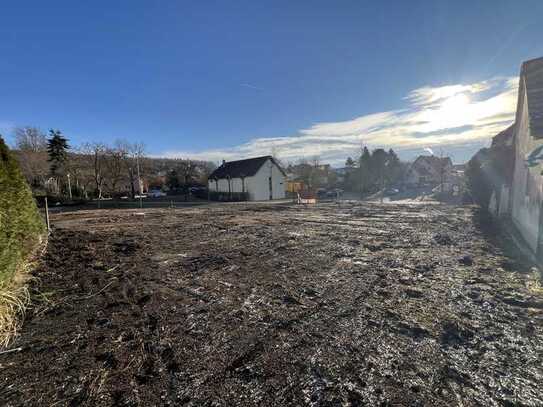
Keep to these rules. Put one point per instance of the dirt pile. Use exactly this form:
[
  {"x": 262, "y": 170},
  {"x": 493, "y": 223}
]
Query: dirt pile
[{"x": 252, "y": 305}]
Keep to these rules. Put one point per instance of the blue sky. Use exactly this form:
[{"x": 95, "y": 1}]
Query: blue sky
[{"x": 229, "y": 79}]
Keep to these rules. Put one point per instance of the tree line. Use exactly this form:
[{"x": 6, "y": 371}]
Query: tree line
[
  {"x": 373, "y": 170},
  {"x": 369, "y": 172},
  {"x": 97, "y": 170}
]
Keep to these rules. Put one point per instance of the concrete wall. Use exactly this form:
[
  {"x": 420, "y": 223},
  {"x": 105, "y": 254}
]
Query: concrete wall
[
  {"x": 258, "y": 185},
  {"x": 503, "y": 205},
  {"x": 527, "y": 181}
]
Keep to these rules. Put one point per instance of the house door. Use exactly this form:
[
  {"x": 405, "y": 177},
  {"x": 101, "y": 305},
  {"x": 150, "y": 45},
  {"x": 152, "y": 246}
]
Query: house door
[{"x": 271, "y": 190}]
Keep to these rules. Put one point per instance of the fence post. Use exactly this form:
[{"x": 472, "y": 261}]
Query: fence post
[{"x": 47, "y": 215}]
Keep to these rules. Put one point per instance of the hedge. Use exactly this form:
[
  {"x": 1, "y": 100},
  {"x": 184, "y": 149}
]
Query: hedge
[
  {"x": 21, "y": 225},
  {"x": 228, "y": 196}
]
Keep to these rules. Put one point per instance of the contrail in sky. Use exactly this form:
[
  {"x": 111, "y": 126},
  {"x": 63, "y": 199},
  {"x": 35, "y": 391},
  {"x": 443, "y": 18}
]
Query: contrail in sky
[{"x": 248, "y": 85}]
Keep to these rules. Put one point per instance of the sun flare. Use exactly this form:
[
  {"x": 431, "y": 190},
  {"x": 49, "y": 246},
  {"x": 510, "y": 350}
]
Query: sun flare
[
  {"x": 456, "y": 104},
  {"x": 451, "y": 112}
]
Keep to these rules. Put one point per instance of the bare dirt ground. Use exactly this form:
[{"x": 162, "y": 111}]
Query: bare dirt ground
[{"x": 276, "y": 306}]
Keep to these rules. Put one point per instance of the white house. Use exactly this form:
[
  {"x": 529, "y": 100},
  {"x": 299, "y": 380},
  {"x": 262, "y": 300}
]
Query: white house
[
  {"x": 527, "y": 186},
  {"x": 262, "y": 178}
]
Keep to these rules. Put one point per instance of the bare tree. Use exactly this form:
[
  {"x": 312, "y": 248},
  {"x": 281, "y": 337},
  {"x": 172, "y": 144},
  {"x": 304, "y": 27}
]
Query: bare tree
[
  {"x": 31, "y": 152},
  {"x": 275, "y": 153},
  {"x": 80, "y": 168},
  {"x": 30, "y": 139},
  {"x": 188, "y": 171},
  {"x": 96, "y": 156},
  {"x": 114, "y": 168},
  {"x": 132, "y": 157},
  {"x": 137, "y": 152}
]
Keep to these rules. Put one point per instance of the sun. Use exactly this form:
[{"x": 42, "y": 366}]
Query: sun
[
  {"x": 454, "y": 111},
  {"x": 455, "y": 105}
]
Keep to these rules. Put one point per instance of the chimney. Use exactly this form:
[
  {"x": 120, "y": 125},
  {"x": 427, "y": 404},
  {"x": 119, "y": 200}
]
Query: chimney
[{"x": 223, "y": 162}]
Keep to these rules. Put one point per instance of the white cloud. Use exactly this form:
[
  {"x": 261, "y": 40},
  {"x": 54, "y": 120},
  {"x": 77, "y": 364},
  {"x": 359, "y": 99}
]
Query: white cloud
[
  {"x": 368, "y": 123},
  {"x": 453, "y": 115}
]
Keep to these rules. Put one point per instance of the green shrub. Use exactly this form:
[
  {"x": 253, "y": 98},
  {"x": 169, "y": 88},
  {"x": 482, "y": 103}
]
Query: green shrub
[{"x": 21, "y": 225}]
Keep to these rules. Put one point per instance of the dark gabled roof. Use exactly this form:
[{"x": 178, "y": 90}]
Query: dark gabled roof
[
  {"x": 504, "y": 138},
  {"x": 432, "y": 160},
  {"x": 242, "y": 168},
  {"x": 532, "y": 74}
]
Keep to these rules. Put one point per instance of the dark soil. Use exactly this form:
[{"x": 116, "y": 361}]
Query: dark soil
[{"x": 275, "y": 306}]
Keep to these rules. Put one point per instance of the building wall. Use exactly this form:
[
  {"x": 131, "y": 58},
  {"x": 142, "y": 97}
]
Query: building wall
[
  {"x": 431, "y": 175},
  {"x": 257, "y": 186},
  {"x": 527, "y": 182},
  {"x": 413, "y": 176},
  {"x": 236, "y": 185}
]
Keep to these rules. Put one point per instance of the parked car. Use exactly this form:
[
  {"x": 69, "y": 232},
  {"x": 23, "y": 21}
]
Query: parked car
[
  {"x": 156, "y": 193},
  {"x": 334, "y": 193},
  {"x": 392, "y": 191},
  {"x": 321, "y": 193}
]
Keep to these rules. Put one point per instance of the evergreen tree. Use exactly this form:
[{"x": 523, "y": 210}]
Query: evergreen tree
[
  {"x": 394, "y": 168},
  {"x": 20, "y": 223},
  {"x": 379, "y": 163},
  {"x": 364, "y": 170},
  {"x": 349, "y": 181},
  {"x": 57, "y": 148},
  {"x": 172, "y": 179},
  {"x": 350, "y": 163},
  {"x": 477, "y": 178}
]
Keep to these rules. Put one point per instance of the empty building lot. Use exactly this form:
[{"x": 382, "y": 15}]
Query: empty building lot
[{"x": 278, "y": 305}]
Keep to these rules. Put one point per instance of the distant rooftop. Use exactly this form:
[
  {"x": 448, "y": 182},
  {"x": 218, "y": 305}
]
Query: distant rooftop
[{"x": 242, "y": 168}]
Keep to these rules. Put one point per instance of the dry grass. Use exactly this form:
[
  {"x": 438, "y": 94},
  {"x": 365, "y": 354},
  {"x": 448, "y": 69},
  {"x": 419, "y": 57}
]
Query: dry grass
[{"x": 15, "y": 297}]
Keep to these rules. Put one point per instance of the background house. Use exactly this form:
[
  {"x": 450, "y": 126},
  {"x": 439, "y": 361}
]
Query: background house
[
  {"x": 429, "y": 170},
  {"x": 261, "y": 178},
  {"x": 499, "y": 167}
]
